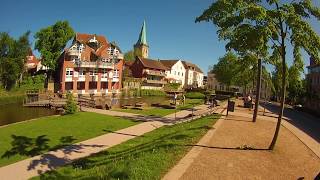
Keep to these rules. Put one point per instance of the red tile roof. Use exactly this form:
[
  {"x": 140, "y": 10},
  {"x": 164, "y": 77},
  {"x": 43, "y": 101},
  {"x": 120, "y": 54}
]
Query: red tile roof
[
  {"x": 194, "y": 67},
  {"x": 84, "y": 38},
  {"x": 154, "y": 64},
  {"x": 169, "y": 63},
  {"x": 88, "y": 51}
]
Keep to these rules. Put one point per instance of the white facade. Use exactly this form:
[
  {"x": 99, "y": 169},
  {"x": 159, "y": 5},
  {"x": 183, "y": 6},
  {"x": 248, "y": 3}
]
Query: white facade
[
  {"x": 177, "y": 73},
  {"x": 194, "y": 78}
]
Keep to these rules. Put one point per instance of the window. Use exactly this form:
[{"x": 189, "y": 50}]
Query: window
[
  {"x": 178, "y": 73},
  {"x": 81, "y": 72},
  {"x": 104, "y": 73},
  {"x": 69, "y": 72},
  {"x": 93, "y": 72},
  {"x": 175, "y": 72},
  {"x": 181, "y": 74},
  {"x": 115, "y": 73}
]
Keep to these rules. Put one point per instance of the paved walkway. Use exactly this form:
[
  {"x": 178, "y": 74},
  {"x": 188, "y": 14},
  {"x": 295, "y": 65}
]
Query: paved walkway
[
  {"x": 179, "y": 116},
  {"x": 34, "y": 166},
  {"x": 221, "y": 153}
]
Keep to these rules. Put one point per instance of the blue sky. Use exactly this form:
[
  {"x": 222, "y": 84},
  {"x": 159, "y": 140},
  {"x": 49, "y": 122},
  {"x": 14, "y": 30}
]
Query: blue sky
[{"x": 171, "y": 30}]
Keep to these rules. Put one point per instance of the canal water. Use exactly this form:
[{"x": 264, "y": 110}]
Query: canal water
[{"x": 15, "y": 112}]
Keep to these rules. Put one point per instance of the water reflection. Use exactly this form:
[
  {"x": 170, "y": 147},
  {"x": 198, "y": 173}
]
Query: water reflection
[{"x": 11, "y": 113}]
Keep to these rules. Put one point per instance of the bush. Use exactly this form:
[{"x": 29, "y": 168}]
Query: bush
[
  {"x": 195, "y": 95},
  {"x": 172, "y": 86},
  {"x": 71, "y": 106},
  {"x": 152, "y": 92},
  {"x": 226, "y": 93}
]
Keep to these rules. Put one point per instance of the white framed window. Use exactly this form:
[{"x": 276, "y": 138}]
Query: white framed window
[
  {"x": 69, "y": 72},
  {"x": 105, "y": 73},
  {"x": 93, "y": 72},
  {"x": 115, "y": 73}
]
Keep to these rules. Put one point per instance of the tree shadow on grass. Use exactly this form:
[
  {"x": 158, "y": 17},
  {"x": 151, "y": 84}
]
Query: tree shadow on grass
[
  {"x": 105, "y": 161},
  {"x": 164, "y": 142},
  {"x": 26, "y": 146}
]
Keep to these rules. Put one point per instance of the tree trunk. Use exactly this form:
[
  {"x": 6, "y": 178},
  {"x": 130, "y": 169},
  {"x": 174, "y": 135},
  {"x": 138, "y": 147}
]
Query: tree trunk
[
  {"x": 258, "y": 89},
  {"x": 283, "y": 92}
]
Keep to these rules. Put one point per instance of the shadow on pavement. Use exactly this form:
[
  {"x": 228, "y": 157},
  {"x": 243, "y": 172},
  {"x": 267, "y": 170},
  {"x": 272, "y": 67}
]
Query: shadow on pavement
[
  {"x": 305, "y": 122},
  {"x": 245, "y": 147}
]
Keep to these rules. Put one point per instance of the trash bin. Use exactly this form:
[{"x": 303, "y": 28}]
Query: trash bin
[{"x": 231, "y": 105}]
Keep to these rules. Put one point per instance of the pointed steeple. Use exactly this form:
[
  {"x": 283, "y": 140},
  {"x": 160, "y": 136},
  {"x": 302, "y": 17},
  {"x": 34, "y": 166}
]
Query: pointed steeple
[{"x": 143, "y": 35}]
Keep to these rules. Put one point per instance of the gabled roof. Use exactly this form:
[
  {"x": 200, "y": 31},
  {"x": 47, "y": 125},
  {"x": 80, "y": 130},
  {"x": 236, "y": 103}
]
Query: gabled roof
[
  {"x": 31, "y": 58},
  {"x": 88, "y": 51},
  {"x": 169, "y": 63},
  {"x": 150, "y": 63},
  {"x": 114, "y": 44},
  {"x": 194, "y": 67},
  {"x": 84, "y": 38},
  {"x": 128, "y": 63},
  {"x": 143, "y": 35}
]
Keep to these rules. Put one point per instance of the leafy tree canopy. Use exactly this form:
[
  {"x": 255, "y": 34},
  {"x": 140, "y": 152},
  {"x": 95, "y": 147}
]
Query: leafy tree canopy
[
  {"x": 129, "y": 56},
  {"x": 50, "y": 42},
  {"x": 12, "y": 58},
  {"x": 263, "y": 26},
  {"x": 224, "y": 70}
]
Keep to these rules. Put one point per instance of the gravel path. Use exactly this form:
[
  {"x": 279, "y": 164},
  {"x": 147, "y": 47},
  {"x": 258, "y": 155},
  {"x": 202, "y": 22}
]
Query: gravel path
[{"x": 218, "y": 156}]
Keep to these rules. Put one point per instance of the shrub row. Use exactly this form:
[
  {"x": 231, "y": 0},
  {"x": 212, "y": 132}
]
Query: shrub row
[
  {"x": 152, "y": 92},
  {"x": 195, "y": 95}
]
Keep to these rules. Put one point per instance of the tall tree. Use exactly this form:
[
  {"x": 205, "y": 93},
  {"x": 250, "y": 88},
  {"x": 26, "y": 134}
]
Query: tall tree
[
  {"x": 268, "y": 25},
  {"x": 224, "y": 70},
  {"x": 50, "y": 42},
  {"x": 129, "y": 56},
  {"x": 12, "y": 58}
]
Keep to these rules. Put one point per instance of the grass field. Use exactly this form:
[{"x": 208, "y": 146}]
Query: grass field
[
  {"x": 22, "y": 140},
  {"x": 146, "y": 157},
  {"x": 155, "y": 111}
]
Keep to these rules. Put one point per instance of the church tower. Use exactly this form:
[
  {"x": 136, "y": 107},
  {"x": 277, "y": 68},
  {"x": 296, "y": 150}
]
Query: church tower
[{"x": 141, "y": 48}]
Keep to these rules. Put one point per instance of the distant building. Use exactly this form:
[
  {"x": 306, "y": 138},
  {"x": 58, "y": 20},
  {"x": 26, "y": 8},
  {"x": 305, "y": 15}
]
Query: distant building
[
  {"x": 194, "y": 75},
  {"x": 151, "y": 72},
  {"x": 313, "y": 79},
  {"x": 205, "y": 81},
  {"x": 31, "y": 62},
  {"x": 91, "y": 65},
  {"x": 156, "y": 73},
  {"x": 175, "y": 72},
  {"x": 214, "y": 84},
  {"x": 314, "y": 76}
]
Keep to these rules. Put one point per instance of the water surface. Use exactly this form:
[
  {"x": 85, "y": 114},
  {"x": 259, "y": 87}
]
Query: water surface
[{"x": 15, "y": 112}]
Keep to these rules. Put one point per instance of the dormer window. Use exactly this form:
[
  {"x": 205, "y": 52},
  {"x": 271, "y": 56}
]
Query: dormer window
[
  {"x": 93, "y": 40},
  {"x": 93, "y": 43}
]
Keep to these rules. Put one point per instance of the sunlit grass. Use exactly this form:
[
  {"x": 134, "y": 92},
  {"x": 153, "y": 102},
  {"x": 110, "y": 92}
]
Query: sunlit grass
[{"x": 146, "y": 157}]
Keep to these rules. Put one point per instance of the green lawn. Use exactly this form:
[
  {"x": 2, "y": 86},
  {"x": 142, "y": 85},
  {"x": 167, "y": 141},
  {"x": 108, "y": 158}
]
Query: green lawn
[
  {"x": 146, "y": 157},
  {"x": 155, "y": 111},
  {"x": 52, "y": 132}
]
